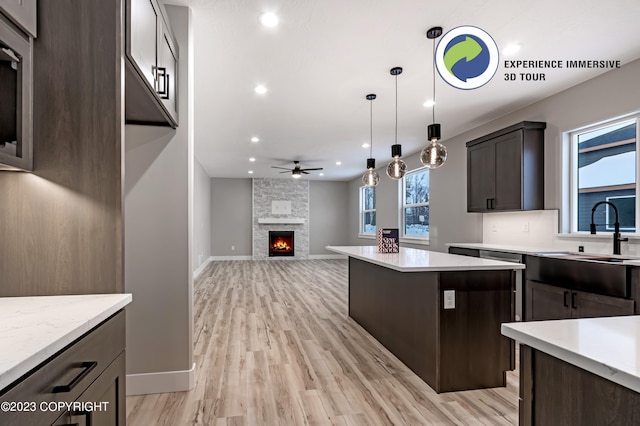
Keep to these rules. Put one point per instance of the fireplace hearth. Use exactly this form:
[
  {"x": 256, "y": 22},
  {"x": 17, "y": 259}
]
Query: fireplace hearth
[{"x": 281, "y": 244}]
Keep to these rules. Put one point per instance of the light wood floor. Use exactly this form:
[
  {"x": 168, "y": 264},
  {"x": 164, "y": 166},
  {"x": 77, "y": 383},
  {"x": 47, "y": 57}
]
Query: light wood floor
[{"x": 274, "y": 346}]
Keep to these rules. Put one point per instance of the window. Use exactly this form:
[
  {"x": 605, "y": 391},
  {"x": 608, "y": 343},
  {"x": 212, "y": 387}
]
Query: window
[
  {"x": 415, "y": 204},
  {"x": 368, "y": 210},
  {"x": 604, "y": 161}
]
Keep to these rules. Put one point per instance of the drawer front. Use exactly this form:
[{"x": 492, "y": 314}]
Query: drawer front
[{"x": 66, "y": 375}]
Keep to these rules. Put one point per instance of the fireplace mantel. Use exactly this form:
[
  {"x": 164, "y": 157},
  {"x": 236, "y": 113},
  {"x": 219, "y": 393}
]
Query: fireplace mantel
[{"x": 280, "y": 220}]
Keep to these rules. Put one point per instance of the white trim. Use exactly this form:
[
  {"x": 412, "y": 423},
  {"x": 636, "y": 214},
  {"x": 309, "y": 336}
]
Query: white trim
[
  {"x": 278, "y": 220},
  {"x": 216, "y": 258},
  {"x": 409, "y": 240},
  {"x": 202, "y": 267},
  {"x": 367, "y": 236},
  {"x": 161, "y": 382},
  {"x": 327, "y": 256}
]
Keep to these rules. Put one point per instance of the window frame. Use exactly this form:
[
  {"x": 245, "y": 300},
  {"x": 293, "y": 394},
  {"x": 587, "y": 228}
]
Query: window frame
[
  {"x": 572, "y": 139},
  {"x": 404, "y": 206},
  {"x": 364, "y": 211}
]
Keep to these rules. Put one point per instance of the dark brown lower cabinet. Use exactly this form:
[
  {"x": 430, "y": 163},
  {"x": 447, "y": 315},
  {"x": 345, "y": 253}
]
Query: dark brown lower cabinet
[
  {"x": 554, "y": 392},
  {"x": 84, "y": 384},
  {"x": 549, "y": 302}
]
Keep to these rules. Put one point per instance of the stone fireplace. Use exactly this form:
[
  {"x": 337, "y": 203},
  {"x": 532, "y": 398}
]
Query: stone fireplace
[
  {"x": 280, "y": 205},
  {"x": 281, "y": 244}
]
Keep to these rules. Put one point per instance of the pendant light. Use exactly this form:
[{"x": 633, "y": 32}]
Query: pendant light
[
  {"x": 370, "y": 177},
  {"x": 435, "y": 154},
  {"x": 396, "y": 168}
]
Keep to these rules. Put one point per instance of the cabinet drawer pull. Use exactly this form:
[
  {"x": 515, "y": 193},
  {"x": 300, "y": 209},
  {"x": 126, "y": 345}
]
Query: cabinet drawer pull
[
  {"x": 566, "y": 301},
  {"x": 87, "y": 366},
  {"x": 574, "y": 296}
]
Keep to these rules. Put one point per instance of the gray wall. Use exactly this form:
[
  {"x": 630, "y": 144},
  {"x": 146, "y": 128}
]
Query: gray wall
[
  {"x": 201, "y": 216},
  {"x": 158, "y": 192},
  {"x": 612, "y": 94},
  {"x": 231, "y": 215},
  {"x": 328, "y": 207}
]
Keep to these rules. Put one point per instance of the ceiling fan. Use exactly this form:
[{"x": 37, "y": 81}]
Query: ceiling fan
[{"x": 296, "y": 172}]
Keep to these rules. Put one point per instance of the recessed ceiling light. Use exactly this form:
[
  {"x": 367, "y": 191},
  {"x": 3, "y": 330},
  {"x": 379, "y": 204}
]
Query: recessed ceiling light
[
  {"x": 510, "y": 49},
  {"x": 429, "y": 103},
  {"x": 252, "y": 159},
  {"x": 338, "y": 163},
  {"x": 321, "y": 174},
  {"x": 255, "y": 139},
  {"x": 260, "y": 89},
  {"x": 269, "y": 19},
  {"x": 365, "y": 145},
  {"x": 250, "y": 172}
]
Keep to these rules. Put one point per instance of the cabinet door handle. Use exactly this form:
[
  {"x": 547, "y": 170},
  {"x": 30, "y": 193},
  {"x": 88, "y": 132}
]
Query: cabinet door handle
[
  {"x": 566, "y": 299},
  {"x": 574, "y": 296},
  {"x": 87, "y": 366},
  {"x": 488, "y": 203},
  {"x": 493, "y": 203},
  {"x": 163, "y": 83}
]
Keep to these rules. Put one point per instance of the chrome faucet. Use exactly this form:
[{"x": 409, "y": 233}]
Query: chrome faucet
[{"x": 616, "y": 226}]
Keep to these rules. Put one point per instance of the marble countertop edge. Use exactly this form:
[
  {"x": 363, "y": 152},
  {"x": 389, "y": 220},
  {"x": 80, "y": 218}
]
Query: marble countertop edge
[{"x": 14, "y": 365}]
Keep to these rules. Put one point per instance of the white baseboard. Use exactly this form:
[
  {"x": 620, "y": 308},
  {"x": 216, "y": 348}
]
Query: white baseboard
[
  {"x": 163, "y": 382},
  {"x": 212, "y": 258},
  {"x": 327, "y": 256},
  {"x": 202, "y": 267}
]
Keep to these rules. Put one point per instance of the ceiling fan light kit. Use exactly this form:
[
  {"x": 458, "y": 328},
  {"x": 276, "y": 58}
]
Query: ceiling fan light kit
[
  {"x": 371, "y": 177},
  {"x": 435, "y": 154},
  {"x": 396, "y": 168},
  {"x": 297, "y": 171}
]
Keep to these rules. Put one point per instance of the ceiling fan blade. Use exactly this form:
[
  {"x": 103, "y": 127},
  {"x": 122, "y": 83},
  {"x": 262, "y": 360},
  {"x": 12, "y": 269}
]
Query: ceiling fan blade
[
  {"x": 288, "y": 171},
  {"x": 319, "y": 168},
  {"x": 283, "y": 168},
  {"x": 302, "y": 171}
]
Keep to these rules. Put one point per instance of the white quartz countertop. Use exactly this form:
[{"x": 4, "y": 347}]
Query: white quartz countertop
[
  {"x": 32, "y": 329},
  {"x": 415, "y": 260},
  {"x": 608, "y": 347}
]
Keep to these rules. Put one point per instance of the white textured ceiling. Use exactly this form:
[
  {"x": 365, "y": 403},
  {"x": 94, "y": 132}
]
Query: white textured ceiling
[{"x": 326, "y": 55}]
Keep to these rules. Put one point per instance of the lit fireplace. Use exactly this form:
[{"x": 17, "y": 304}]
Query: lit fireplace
[{"x": 281, "y": 243}]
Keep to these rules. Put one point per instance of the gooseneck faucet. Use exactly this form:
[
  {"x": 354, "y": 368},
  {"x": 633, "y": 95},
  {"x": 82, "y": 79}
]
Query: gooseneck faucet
[{"x": 616, "y": 226}]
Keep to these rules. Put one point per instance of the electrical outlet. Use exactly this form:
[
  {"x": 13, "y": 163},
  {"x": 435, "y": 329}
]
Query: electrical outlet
[
  {"x": 525, "y": 227},
  {"x": 449, "y": 299},
  {"x": 494, "y": 228},
  {"x": 233, "y": 248}
]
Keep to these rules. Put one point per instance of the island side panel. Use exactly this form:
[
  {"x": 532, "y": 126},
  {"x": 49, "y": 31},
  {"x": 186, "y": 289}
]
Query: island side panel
[
  {"x": 565, "y": 394},
  {"x": 474, "y": 354},
  {"x": 401, "y": 311}
]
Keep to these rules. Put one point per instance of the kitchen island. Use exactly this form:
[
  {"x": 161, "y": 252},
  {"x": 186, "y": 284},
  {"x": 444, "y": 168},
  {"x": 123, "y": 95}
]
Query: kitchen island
[
  {"x": 439, "y": 313},
  {"x": 579, "y": 371}
]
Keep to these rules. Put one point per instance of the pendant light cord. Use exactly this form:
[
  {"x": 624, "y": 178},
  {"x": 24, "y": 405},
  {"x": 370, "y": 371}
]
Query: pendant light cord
[
  {"x": 371, "y": 128},
  {"x": 433, "y": 64},
  {"x": 396, "y": 109}
]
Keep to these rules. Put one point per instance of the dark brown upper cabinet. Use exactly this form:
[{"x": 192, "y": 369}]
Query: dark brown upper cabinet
[
  {"x": 505, "y": 169},
  {"x": 16, "y": 95},
  {"x": 152, "y": 64}
]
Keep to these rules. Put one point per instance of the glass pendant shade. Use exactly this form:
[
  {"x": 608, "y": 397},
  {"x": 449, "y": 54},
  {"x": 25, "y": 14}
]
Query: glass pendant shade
[
  {"x": 370, "y": 178},
  {"x": 396, "y": 169},
  {"x": 295, "y": 174},
  {"x": 434, "y": 155}
]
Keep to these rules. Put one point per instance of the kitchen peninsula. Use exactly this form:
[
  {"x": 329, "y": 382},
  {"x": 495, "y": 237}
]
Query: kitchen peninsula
[
  {"x": 579, "y": 371},
  {"x": 439, "y": 313}
]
